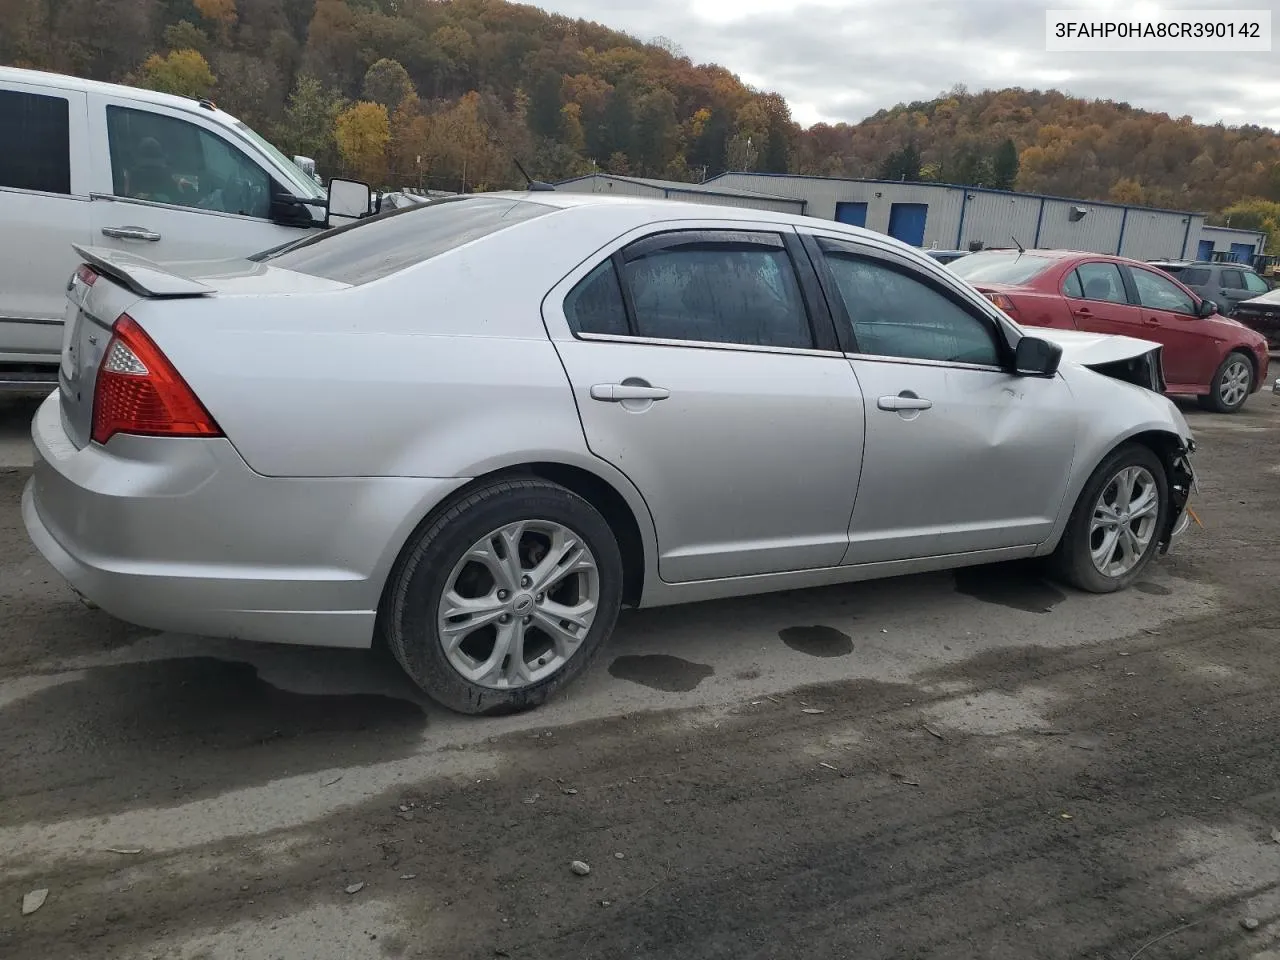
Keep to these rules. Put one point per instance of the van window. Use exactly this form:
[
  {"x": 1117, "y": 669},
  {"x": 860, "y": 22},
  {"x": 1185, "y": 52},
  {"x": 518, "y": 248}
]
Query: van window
[
  {"x": 42, "y": 126},
  {"x": 167, "y": 160}
]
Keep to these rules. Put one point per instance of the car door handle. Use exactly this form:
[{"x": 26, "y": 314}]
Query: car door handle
[
  {"x": 617, "y": 392},
  {"x": 1083, "y": 312},
  {"x": 904, "y": 403},
  {"x": 1152, "y": 321},
  {"x": 130, "y": 233}
]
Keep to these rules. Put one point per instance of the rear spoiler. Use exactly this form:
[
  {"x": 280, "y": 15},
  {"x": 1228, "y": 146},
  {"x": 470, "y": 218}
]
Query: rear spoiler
[{"x": 144, "y": 277}]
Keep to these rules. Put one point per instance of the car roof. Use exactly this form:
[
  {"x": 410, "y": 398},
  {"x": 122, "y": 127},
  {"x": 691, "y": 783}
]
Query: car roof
[
  {"x": 62, "y": 81},
  {"x": 663, "y": 209}
]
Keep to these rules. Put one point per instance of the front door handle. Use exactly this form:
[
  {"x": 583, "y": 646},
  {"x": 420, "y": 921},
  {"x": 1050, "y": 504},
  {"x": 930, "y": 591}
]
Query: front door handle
[
  {"x": 902, "y": 402},
  {"x": 1152, "y": 322},
  {"x": 618, "y": 392},
  {"x": 131, "y": 233}
]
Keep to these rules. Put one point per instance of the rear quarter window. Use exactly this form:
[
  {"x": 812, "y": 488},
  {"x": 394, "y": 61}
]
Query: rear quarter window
[
  {"x": 389, "y": 242},
  {"x": 41, "y": 125}
]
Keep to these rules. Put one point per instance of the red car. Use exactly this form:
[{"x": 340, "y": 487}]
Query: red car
[{"x": 1215, "y": 358}]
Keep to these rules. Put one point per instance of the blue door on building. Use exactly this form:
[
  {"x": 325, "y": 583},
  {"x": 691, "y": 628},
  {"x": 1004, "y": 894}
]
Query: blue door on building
[
  {"x": 1242, "y": 252},
  {"x": 852, "y": 213},
  {"x": 906, "y": 222},
  {"x": 1205, "y": 250}
]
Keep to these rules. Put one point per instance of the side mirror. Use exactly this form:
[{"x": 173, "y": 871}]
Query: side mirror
[
  {"x": 349, "y": 198},
  {"x": 1034, "y": 357},
  {"x": 1207, "y": 308},
  {"x": 291, "y": 211}
]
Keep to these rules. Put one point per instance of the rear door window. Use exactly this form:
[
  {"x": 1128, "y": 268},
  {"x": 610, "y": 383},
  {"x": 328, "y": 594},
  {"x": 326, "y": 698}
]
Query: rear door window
[
  {"x": 35, "y": 142},
  {"x": 716, "y": 286},
  {"x": 1102, "y": 282},
  {"x": 1233, "y": 279},
  {"x": 1193, "y": 276}
]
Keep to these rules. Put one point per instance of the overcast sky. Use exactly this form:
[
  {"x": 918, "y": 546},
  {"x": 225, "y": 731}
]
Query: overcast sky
[{"x": 844, "y": 59}]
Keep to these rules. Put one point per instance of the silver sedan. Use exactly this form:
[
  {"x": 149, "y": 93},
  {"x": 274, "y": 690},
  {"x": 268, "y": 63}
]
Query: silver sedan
[{"x": 477, "y": 427}]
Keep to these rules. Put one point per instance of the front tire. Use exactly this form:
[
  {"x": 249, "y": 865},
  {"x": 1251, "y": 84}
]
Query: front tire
[
  {"x": 1231, "y": 386},
  {"x": 1114, "y": 529},
  {"x": 505, "y": 598}
]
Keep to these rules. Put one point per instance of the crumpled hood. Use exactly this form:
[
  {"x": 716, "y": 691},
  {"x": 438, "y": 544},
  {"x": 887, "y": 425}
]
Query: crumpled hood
[{"x": 1091, "y": 349}]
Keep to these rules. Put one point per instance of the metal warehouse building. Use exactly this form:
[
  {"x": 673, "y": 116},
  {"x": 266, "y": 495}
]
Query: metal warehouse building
[{"x": 954, "y": 217}]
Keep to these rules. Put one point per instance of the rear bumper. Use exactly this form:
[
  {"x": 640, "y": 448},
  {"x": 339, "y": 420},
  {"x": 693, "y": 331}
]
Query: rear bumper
[{"x": 181, "y": 535}]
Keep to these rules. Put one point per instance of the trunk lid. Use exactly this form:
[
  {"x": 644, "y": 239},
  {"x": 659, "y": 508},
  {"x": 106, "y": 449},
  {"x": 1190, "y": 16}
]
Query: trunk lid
[{"x": 111, "y": 282}]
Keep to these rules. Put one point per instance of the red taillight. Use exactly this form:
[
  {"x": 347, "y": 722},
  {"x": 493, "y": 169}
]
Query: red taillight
[
  {"x": 1001, "y": 301},
  {"x": 86, "y": 274},
  {"x": 139, "y": 391}
]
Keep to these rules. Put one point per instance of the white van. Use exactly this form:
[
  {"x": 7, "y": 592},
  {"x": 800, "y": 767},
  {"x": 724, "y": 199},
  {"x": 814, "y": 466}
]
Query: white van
[{"x": 165, "y": 177}]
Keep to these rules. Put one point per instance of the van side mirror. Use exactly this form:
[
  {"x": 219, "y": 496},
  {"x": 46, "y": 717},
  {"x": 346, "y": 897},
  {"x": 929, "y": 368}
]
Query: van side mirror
[
  {"x": 1207, "y": 308},
  {"x": 1034, "y": 357},
  {"x": 349, "y": 198},
  {"x": 290, "y": 211}
]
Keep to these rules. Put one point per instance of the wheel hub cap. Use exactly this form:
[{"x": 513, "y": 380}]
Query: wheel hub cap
[
  {"x": 1124, "y": 521},
  {"x": 518, "y": 604}
]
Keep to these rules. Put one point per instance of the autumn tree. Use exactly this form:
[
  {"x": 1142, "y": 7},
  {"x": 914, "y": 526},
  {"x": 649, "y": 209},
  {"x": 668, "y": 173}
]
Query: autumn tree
[
  {"x": 183, "y": 72},
  {"x": 1254, "y": 213},
  {"x": 362, "y": 133},
  {"x": 1004, "y": 165},
  {"x": 185, "y": 35},
  {"x": 387, "y": 82},
  {"x": 308, "y": 124}
]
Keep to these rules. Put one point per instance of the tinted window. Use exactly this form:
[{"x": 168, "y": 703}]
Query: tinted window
[
  {"x": 41, "y": 127},
  {"x": 1159, "y": 293},
  {"x": 1001, "y": 267},
  {"x": 1071, "y": 286},
  {"x": 1102, "y": 281},
  {"x": 1254, "y": 283},
  {"x": 1194, "y": 276},
  {"x": 1233, "y": 279},
  {"x": 719, "y": 293},
  {"x": 389, "y": 242},
  {"x": 595, "y": 305},
  {"x": 166, "y": 160},
  {"x": 896, "y": 315}
]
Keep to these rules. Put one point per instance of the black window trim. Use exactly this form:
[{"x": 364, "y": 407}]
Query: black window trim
[
  {"x": 1131, "y": 288},
  {"x": 781, "y": 237},
  {"x": 815, "y": 244}
]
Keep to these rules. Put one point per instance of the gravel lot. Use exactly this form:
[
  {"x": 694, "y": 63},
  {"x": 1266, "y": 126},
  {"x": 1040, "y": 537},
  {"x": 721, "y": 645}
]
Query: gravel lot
[{"x": 982, "y": 765}]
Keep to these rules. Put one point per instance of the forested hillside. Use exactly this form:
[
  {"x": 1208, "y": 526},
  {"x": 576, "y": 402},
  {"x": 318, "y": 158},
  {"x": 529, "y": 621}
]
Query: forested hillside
[{"x": 442, "y": 93}]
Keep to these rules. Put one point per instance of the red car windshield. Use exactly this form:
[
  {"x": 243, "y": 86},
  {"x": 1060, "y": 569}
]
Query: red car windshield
[{"x": 1011, "y": 267}]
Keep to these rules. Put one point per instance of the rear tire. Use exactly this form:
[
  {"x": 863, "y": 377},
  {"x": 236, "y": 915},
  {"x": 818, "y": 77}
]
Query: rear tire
[
  {"x": 1231, "y": 385},
  {"x": 1129, "y": 483},
  {"x": 484, "y": 629}
]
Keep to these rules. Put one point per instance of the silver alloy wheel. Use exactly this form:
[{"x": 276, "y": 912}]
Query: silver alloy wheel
[
  {"x": 518, "y": 605},
  {"x": 1124, "y": 521},
  {"x": 1234, "y": 386}
]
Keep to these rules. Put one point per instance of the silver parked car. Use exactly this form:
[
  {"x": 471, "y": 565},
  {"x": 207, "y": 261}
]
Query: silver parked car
[{"x": 476, "y": 427}]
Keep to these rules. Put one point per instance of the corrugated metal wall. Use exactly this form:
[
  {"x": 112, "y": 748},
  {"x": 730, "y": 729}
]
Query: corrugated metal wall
[
  {"x": 995, "y": 219},
  {"x": 958, "y": 216},
  {"x": 1152, "y": 235},
  {"x": 725, "y": 200},
  {"x": 1224, "y": 237}
]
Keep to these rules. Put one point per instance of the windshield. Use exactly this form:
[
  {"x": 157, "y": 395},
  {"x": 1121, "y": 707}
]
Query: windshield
[
  {"x": 307, "y": 188},
  {"x": 1012, "y": 267}
]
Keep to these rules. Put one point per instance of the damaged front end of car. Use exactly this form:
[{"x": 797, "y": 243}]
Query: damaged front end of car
[{"x": 1182, "y": 481}]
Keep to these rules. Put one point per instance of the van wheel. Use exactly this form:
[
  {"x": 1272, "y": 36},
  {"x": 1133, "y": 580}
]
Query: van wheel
[
  {"x": 1231, "y": 386},
  {"x": 1114, "y": 529},
  {"x": 505, "y": 598}
]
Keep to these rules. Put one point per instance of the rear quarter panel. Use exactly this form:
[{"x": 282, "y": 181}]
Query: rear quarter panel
[{"x": 442, "y": 370}]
